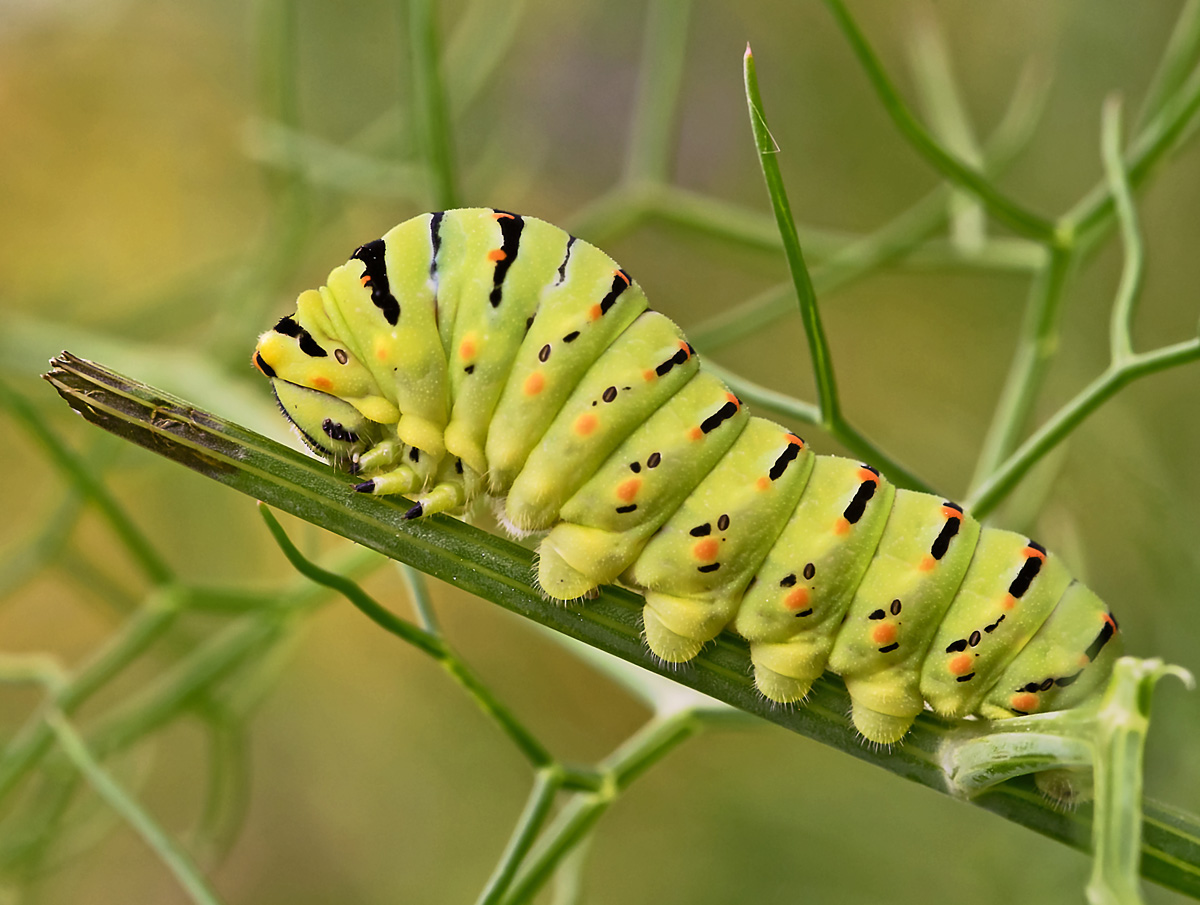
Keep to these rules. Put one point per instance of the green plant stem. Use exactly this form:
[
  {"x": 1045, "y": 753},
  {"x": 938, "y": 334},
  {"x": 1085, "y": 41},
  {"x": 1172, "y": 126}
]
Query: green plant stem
[
  {"x": 418, "y": 589},
  {"x": 1096, "y": 209},
  {"x": 818, "y": 346},
  {"x": 1036, "y": 346},
  {"x": 1007, "y": 211},
  {"x": 546, "y": 784},
  {"x": 660, "y": 77},
  {"x": 421, "y": 639},
  {"x": 1180, "y": 58},
  {"x": 169, "y": 852},
  {"x": 989, "y": 493},
  {"x": 646, "y": 747},
  {"x": 430, "y": 103},
  {"x": 135, "y": 636},
  {"x": 77, "y": 472},
  {"x": 1130, "y": 286}
]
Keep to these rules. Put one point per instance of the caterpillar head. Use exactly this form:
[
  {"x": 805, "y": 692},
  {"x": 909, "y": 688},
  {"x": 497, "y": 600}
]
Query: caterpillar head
[{"x": 323, "y": 388}]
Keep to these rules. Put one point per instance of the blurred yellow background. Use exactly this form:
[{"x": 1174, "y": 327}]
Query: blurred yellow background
[{"x": 173, "y": 174}]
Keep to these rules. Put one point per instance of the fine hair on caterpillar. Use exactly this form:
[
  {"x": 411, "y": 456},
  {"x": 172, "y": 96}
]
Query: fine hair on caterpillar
[{"x": 476, "y": 351}]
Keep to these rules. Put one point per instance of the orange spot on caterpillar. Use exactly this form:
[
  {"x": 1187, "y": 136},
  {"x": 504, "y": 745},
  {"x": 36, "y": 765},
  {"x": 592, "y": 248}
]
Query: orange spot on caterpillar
[
  {"x": 1026, "y": 702},
  {"x": 365, "y": 278},
  {"x": 706, "y": 549},
  {"x": 322, "y": 383},
  {"x": 696, "y": 434},
  {"x": 927, "y": 563},
  {"x": 594, "y": 313},
  {"x": 466, "y": 349},
  {"x": 1111, "y": 621},
  {"x": 686, "y": 348},
  {"x": 794, "y": 440},
  {"x": 382, "y": 352},
  {"x": 1031, "y": 553},
  {"x": 254, "y": 361},
  {"x": 496, "y": 254},
  {"x": 1009, "y": 601},
  {"x": 729, "y": 397},
  {"x": 865, "y": 474},
  {"x": 501, "y": 215},
  {"x": 762, "y": 483},
  {"x": 884, "y": 633},
  {"x": 841, "y": 526},
  {"x": 797, "y": 599},
  {"x": 618, "y": 273},
  {"x": 949, "y": 513},
  {"x": 960, "y": 665},
  {"x": 534, "y": 383},
  {"x": 585, "y": 424},
  {"x": 648, "y": 374},
  {"x": 627, "y": 490}
]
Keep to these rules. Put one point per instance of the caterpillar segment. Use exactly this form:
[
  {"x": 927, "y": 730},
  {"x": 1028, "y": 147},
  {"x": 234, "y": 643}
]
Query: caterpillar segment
[{"x": 476, "y": 351}]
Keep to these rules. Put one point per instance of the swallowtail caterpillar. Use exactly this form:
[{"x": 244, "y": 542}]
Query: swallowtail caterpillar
[{"x": 476, "y": 351}]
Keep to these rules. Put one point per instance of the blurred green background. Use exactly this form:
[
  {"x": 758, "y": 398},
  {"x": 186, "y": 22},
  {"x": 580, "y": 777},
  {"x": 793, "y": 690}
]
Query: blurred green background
[{"x": 174, "y": 173}]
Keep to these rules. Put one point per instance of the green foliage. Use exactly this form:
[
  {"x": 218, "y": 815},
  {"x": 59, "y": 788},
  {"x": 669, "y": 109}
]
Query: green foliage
[{"x": 183, "y": 630}]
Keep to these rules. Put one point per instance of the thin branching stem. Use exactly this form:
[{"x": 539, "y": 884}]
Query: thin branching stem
[
  {"x": 418, "y": 588},
  {"x": 430, "y": 102},
  {"x": 660, "y": 76},
  {"x": 1179, "y": 58},
  {"x": 168, "y": 851},
  {"x": 546, "y": 784},
  {"x": 818, "y": 346},
  {"x": 1036, "y": 346},
  {"x": 1092, "y": 214},
  {"x": 135, "y": 636},
  {"x": 642, "y": 750},
  {"x": 81, "y": 476},
  {"x": 425, "y": 641},
  {"x": 1130, "y": 286},
  {"x": 1134, "y": 366},
  {"x": 1022, "y": 221}
]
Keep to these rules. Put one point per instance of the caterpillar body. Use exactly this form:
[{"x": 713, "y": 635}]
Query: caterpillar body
[{"x": 476, "y": 351}]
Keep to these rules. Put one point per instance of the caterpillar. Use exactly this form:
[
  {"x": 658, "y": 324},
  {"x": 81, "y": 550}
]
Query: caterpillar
[{"x": 472, "y": 352}]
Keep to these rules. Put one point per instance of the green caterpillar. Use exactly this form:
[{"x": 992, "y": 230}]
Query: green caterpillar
[{"x": 475, "y": 351}]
